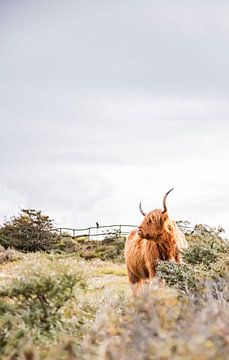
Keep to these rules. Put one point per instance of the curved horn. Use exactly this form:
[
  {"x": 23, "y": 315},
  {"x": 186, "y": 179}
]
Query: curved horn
[
  {"x": 164, "y": 201},
  {"x": 140, "y": 207}
]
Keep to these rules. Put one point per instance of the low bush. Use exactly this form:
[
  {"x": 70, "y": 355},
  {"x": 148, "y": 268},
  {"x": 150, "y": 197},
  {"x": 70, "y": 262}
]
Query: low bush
[
  {"x": 29, "y": 231},
  {"x": 201, "y": 254},
  {"x": 42, "y": 302},
  {"x": 163, "y": 324},
  {"x": 180, "y": 276},
  {"x": 207, "y": 257}
]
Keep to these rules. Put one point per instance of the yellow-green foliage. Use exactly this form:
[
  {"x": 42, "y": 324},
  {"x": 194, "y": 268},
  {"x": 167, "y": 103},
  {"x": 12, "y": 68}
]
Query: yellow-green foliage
[{"x": 41, "y": 302}]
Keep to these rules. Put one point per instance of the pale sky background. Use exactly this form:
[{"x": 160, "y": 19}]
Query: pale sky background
[{"x": 106, "y": 103}]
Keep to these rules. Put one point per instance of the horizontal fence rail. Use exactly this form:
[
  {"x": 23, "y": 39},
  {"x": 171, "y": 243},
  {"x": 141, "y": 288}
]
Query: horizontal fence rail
[
  {"x": 105, "y": 231},
  {"x": 96, "y": 232}
]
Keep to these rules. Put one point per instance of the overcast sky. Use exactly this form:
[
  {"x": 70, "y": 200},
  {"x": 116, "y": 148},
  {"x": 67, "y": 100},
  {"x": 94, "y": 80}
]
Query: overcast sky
[{"x": 106, "y": 103}]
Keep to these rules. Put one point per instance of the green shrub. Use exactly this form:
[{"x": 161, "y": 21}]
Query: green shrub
[
  {"x": 181, "y": 276},
  {"x": 29, "y": 231},
  {"x": 41, "y": 303},
  {"x": 206, "y": 249},
  {"x": 207, "y": 257},
  {"x": 201, "y": 254}
]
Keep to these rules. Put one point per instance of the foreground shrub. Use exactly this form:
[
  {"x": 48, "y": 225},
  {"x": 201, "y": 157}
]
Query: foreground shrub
[
  {"x": 37, "y": 305},
  {"x": 29, "y": 231},
  {"x": 163, "y": 324}
]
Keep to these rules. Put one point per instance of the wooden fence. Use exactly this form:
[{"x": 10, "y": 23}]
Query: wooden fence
[{"x": 103, "y": 232}]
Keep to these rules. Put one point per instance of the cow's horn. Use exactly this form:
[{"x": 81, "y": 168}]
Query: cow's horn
[
  {"x": 140, "y": 207},
  {"x": 164, "y": 201}
]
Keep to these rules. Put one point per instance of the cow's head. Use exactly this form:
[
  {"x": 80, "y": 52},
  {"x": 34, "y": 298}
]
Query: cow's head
[{"x": 154, "y": 222}]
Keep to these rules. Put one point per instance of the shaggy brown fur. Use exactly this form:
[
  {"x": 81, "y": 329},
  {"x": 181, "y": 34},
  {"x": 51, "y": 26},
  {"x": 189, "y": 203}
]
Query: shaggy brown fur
[{"x": 157, "y": 238}]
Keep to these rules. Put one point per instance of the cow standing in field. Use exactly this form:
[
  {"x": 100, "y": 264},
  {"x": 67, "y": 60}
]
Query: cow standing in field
[{"x": 157, "y": 238}]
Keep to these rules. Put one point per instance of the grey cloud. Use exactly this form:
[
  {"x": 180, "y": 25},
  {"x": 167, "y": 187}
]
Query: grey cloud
[
  {"x": 119, "y": 45},
  {"x": 104, "y": 102}
]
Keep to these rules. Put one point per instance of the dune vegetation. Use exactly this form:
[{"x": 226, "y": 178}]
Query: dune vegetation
[{"x": 61, "y": 303}]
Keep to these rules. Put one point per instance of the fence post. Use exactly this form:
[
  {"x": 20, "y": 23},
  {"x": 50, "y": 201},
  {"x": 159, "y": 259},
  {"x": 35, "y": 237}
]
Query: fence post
[{"x": 89, "y": 233}]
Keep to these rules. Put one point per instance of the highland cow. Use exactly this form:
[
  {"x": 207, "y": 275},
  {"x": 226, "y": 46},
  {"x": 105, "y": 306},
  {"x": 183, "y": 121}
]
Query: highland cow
[{"x": 157, "y": 238}]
